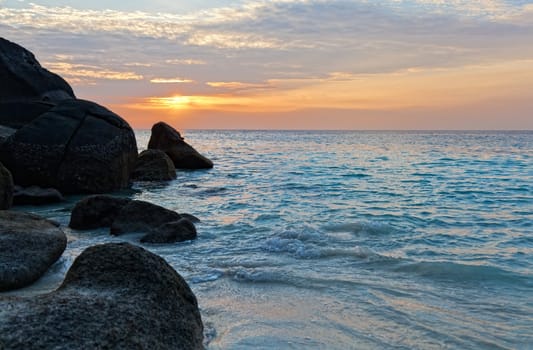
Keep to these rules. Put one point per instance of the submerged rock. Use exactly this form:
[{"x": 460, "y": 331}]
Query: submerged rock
[
  {"x": 184, "y": 156},
  {"x": 29, "y": 245},
  {"x": 175, "y": 231},
  {"x": 96, "y": 211},
  {"x": 76, "y": 147},
  {"x": 23, "y": 78},
  {"x": 6, "y": 188},
  {"x": 139, "y": 216},
  {"x": 35, "y": 195},
  {"x": 154, "y": 165},
  {"x": 115, "y": 296}
]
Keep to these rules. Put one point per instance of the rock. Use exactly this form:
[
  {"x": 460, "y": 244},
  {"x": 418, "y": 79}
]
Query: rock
[
  {"x": 16, "y": 114},
  {"x": 75, "y": 147},
  {"x": 154, "y": 165},
  {"x": 34, "y": 195},
  {"x": 140, "y": 216},
  {"x": 184, "y": 156},
  {"x": 115, "y": 296},
  {"x": 190, "y": 217},
  {"x": 6, "y": 188},
  {"x": 176, "y": 231},
  {"x": 96, "y": 211},
  {"x": 23, "y": 78},
  {"x": 29, "y": 245}
]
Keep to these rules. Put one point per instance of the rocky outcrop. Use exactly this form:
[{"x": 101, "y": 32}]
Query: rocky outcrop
[
  {"x": 115, "y": 296},
  {"x": 16, "y": 114},
  {"x": 23, "y": 78},
  {"x": 184, "y": 156},
  {"x": 96, "y": 211},
  {"x": 139, "y": 216},
  {"x": 154, "y": 165},
  {"x": 75, "y": 147},
  {"x": 6, "y": 188},
  {"x": 29, "y": 245},
  {"x": 175, "y": 231},
  {"x": 36, "y": 196}
]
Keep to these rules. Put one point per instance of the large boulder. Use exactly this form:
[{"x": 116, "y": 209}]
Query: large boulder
[
  {"x": 115, "y": 296},
  {"x": 154, "y": 165},
  {"x": 96, "y": 211},
  {"x": 29, "y": 245},
  {"x": 140, "y": 216},
  {"x": 75, "y": 147},
  {"x": 34, "y": 195},
  {"x": 6, "y": 188},
  {"x": 16, "y": 114},
  {"x": 23, "y": 78},
  {"x": 169, "y": 140},
  {"x": 175, "y": 231}
]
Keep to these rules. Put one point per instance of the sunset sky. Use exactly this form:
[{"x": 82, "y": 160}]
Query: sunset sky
[{"x": 290, "y": 64}]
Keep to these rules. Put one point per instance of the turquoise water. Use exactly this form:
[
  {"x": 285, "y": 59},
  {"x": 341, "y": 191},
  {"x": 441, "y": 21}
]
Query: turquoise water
[{"x": 351, "y": 240}]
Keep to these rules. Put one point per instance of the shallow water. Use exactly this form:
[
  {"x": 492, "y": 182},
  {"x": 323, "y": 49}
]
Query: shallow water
[{"x": 363, "y": 240}]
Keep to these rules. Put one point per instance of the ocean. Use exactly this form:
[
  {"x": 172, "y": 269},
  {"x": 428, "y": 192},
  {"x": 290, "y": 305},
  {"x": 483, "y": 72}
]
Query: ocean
[{"x": 349, "y": 240}]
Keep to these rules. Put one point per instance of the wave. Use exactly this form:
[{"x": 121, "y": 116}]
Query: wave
[
  {"x": 361, "y": 227},
  {"x": 456, "y": 272}
]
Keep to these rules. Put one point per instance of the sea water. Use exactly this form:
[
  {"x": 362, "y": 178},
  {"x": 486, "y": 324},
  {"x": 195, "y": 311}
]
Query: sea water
[{"x": 349, "y": 240}]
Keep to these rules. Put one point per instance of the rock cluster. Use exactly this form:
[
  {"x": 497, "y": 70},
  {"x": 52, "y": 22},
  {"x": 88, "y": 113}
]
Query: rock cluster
[
  {"x": 115, "y": 296},
  {"x": 123, "y": 215}
]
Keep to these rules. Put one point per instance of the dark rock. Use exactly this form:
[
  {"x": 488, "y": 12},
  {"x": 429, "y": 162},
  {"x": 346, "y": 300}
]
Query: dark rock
[
  {"x": 184, "y": 156},
  {"x": 16, "y": 114},
  {"x": 115, "y": 296},
  {"x": 6, "y": 188},
  {"x": 29, "y": 245},
  {"x": 23, "y": 78},
  {"x": 139, "y": 216},
  {"x": 34, "y": 195},
  {"x": 176, "y": 231},
  {"x": 190, "y": 217},
  {"x": 76, "y": 147},
  {"x": 96, "y": 211},
  {"x": 154, "y": 165}
]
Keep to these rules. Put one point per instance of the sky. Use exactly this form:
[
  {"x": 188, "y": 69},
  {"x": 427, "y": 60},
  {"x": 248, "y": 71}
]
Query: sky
[{"x": 290, "y": 64}]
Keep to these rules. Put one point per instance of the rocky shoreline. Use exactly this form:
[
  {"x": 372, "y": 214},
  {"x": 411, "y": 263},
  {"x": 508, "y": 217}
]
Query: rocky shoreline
[{"x": 115, "y": 295}]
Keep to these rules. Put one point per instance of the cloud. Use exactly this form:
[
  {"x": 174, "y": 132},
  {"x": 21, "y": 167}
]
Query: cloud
[
  {"x": 170, "y": 81},
  {"x": 185, "y": 62},
  {"x": 79, "y": 73}
]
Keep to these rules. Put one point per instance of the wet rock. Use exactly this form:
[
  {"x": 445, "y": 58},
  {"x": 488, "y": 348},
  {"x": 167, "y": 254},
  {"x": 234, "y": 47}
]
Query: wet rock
[
  {"x": 75, "y": 147},
  {"x": 6, "y": 188},
  {"x": 115, "y": 296},
  {"x": 23, "y": 78},
  {"x": 96, "y": 211},
  {"x": 154, "y": 165},
  {"x": 190, "y": 217},
  {"x": 176, "y": 231},
  {"x": 29, "y": 245},
  {"x": 140, "y": 216},
  {"x": 184, "y": 156},
  {"x": 34, "y": 195}
]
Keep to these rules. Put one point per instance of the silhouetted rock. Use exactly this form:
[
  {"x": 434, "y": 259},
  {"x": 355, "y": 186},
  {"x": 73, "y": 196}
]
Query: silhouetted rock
[
  {"x": 23, "y": 78},
  {"x": 115, "y": 296},
  {"x": 96, "y": 211},
  {"x": 76, "y": 147},
  {"x": 16, "y": 114},
  {"x": 190, "y": 217},
  {"x": 29, "y": 245},
  {"x": 184, "y": 156},
  {"x": 176, "y": 231},
  {"x": 139, "y": 216},
  {"x": 6, "y": 188},
  {"x": 5, "y": 132},
  {"x": 154, "y": 165},
  {"x": 35, "y": 195}
]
